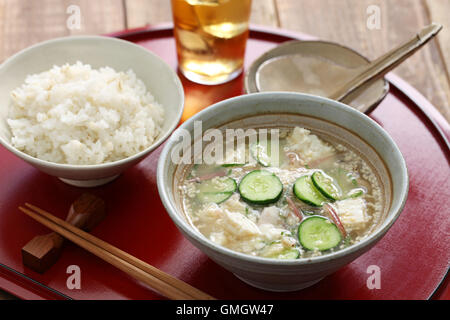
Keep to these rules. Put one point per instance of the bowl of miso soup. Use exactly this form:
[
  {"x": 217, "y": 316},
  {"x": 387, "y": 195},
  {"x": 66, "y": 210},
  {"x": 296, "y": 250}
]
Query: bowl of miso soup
[{"x": 282, "y": 189}]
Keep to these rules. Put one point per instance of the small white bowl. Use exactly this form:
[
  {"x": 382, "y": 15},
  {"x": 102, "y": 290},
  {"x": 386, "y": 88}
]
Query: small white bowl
[
  {"x": 277, "y": 109},
  {"x": 98, "y": 51}
]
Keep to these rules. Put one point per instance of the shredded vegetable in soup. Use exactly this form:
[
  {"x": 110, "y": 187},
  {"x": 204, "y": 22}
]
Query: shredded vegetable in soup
[{"x": 316, "y": 197}]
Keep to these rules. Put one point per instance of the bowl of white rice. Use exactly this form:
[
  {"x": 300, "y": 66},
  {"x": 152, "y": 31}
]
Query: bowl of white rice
[{"x": 86, "y": 108}]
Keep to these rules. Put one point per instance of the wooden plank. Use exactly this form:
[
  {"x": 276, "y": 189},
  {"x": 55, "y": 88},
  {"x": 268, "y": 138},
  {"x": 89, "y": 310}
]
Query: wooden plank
[
  {"x": 264, "y": 12},
  {"x": 345, "y": 22},
  {"x": 25, "y": 22},
  {"x": 143, "y": 12},
  {"x": 439, "y": 11}
]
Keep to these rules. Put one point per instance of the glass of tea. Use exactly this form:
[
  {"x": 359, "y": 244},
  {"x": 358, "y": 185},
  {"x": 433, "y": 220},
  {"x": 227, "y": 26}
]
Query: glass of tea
[{"x": 211, "y": 36}]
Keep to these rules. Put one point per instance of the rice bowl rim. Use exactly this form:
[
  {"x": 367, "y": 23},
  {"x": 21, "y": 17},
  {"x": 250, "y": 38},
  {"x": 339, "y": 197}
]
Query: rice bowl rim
[{"x": 162, "y": 136}]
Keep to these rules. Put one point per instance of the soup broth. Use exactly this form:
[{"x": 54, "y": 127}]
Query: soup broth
[{"x": 314, "y": 197}]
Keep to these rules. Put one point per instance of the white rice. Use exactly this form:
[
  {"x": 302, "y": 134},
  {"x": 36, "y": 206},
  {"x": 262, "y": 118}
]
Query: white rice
[{"x": 78, "y": 115}]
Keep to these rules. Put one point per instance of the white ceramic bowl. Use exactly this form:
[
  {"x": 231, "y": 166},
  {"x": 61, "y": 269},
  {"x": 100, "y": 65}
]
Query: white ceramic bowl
[
  {"x": 289, "y": 109},
  {"x": 97, "y": 51}
]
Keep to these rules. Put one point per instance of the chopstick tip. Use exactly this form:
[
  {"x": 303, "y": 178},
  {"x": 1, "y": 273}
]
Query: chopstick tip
[{"x": 24, "y": 210}]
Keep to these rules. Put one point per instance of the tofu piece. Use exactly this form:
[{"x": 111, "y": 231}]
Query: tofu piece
[
  {"x": 211, "y": 213},
  {"x": 272, "y": 233},
  {"x": 308, "y": 146},
  {"x": 233, "y": 204},
  {"x": 239, "y": 225},
  {"x": 208, "y": 220},
  {"x": 270, "y": 215},
  {"x": 218, "y": 237},
  {"x": 352, "y": 213}
]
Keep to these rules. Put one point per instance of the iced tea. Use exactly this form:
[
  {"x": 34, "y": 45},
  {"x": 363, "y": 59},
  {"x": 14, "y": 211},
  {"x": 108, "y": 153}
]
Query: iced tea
[{"x": 211, "y": 36}]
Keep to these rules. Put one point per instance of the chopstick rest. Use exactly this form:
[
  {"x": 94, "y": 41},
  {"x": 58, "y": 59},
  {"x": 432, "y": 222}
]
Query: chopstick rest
[{"x": 41, "y": 252}]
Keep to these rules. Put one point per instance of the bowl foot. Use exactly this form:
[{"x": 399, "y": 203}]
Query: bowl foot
[
  {"x": 89, "y": 183},
  {"x": 279, "y": 287}
]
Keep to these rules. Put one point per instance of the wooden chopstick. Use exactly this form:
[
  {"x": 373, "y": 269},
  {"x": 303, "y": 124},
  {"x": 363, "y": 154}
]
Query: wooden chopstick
[
  {"x": 162, "y": 282},
  {"x": 183, "y": 286}
]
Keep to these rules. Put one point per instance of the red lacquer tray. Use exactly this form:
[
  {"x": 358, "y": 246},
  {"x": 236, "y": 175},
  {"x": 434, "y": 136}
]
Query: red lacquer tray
[{"x": 413, "y": 256}]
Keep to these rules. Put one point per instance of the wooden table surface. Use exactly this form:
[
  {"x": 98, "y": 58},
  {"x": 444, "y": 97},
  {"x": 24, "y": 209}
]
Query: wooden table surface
[{"x": 25, "y": 22}]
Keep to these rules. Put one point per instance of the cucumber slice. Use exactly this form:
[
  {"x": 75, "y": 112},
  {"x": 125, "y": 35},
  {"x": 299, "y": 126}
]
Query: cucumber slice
[
  {"x": 347, "y": 183},
  {"x": 289, "y": 254},
  {"x": 260, "y": 187},
  {"x": 308, "y": 212},
  {"x": 216, "y": 190},
  {"x": 343, "y": 178},
  {"x": 355, "y": 193},
  {"x": 326, "y": 185},
  {"x": 228, "y": 165},
  {"x": 276, "y": 251},
  {"x": 216, "y": 197},
  {"x": 305, "y": 191},
  {"x": 318, "y": 233},
  {"x": 219, "y": 184},
  {"x": 260, "y": 152}
]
